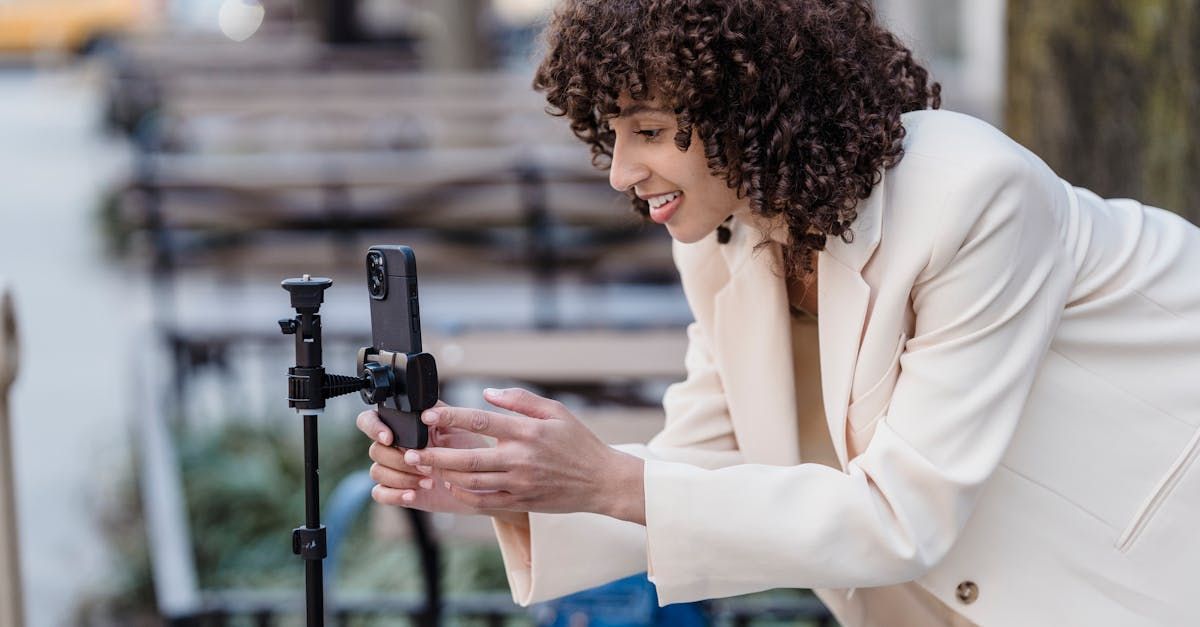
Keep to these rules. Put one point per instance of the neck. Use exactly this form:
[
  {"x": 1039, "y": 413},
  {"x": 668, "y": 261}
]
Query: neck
[{"x": 802, "y": 291}]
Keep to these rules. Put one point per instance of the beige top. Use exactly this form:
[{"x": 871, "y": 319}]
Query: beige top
[
  {"x": 920, "y": 609},
  {"x": 815, "y": 444}
]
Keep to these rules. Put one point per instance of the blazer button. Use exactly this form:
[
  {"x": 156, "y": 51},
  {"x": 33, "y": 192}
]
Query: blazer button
[{"x": 967, "y": 592}]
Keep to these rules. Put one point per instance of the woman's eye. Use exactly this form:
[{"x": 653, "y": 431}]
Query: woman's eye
[{"x": 649, "y": 134}]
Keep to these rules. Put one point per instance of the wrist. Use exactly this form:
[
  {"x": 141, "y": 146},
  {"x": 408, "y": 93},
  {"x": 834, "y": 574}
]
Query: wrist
[{"x": 622, "y": 495}]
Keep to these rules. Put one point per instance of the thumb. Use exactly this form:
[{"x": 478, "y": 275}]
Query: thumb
[
  {"x": 369, "y": 423},
  {"x": 524, "y": 402}
]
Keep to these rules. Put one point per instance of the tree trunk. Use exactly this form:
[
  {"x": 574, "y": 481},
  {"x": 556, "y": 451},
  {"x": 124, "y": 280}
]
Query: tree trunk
[{"x": 1108, "y": 93}]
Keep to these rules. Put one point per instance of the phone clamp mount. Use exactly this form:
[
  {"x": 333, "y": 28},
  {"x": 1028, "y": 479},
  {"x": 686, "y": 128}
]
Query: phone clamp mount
[
  {"x": 408, "y": 380},
  {"x": 418, "y": 386}
]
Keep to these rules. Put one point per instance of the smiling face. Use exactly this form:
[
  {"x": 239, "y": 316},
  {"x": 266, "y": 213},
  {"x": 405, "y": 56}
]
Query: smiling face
[{"x": 682, "y": 192}]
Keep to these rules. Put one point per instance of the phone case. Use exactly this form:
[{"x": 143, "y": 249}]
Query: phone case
[{"x": 396, "y": 327}]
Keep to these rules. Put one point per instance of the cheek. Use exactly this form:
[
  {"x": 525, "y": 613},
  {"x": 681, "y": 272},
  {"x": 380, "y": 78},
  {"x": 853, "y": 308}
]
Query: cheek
[
  {"x": 714, "y": 196},
  {"x": 701, "y": 179}
]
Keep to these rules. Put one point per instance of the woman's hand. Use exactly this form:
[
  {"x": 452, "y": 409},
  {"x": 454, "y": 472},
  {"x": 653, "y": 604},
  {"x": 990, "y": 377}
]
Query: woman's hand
[
  {"x": 406, "y": 485},
  {"x": 545, "y": 460}
]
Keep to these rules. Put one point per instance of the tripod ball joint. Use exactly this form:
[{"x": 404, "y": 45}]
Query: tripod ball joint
[{"x": 377, "y": 383}]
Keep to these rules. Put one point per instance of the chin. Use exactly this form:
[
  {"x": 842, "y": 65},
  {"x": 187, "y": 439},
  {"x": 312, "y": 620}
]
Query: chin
[
  {"x": 690, "y": 233},
  {"x": 685, "y": 235}
]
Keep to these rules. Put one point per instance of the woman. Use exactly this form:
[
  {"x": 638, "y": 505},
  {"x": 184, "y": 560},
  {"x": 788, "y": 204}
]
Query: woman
[{"x": 926, "y": 377}]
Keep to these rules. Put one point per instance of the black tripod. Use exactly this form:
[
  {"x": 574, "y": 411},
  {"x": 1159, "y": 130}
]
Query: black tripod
[{"x": 308, "y": 388}]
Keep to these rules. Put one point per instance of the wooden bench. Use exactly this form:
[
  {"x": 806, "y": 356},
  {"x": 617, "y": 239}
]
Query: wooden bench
[
  {"x": 332, "y": 110},
  {"x": 507, "y": 206}
]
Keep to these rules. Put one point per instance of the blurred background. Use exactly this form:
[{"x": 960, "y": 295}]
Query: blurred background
[{"x": 164, "y": 164}]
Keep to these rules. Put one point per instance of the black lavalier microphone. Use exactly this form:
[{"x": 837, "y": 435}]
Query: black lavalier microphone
[{"x": 723, "y": 232}]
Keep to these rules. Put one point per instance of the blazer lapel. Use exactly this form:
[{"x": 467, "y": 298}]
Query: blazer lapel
[
  {"x": 843, "y": 298},
  {"x": 752, "y": 341},
  {"x": 753, "y": 346},
  {"x": 842, "y": 306}
]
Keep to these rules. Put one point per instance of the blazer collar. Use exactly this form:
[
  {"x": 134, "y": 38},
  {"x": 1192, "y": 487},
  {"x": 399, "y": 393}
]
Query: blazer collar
[
  {"x": 753, "y": 341},
  {"x": 748, "y": 231},
  {"x": 867, "y": 229}
]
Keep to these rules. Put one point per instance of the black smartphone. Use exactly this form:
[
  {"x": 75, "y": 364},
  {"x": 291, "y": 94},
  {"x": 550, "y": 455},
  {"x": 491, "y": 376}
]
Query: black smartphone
[{"x": 396, "y": 327}]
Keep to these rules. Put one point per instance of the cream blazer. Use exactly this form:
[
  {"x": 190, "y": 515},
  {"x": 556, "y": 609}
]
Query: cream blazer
[{"x": 1011, "y": 376}]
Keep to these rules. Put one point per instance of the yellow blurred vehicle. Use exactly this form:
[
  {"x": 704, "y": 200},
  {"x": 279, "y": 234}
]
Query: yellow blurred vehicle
[{"x": 65, "y": 25}]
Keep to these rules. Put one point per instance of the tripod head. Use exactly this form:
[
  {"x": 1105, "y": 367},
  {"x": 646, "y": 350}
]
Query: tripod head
[
  {"x": 308, "y": 384},
  {"x": 407, "y": 380},
  {"x": 307, "y": 292}
]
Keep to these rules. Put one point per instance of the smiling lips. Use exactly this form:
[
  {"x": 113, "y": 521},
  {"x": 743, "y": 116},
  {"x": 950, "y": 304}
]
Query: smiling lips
[{"x": 663, "y": 206}]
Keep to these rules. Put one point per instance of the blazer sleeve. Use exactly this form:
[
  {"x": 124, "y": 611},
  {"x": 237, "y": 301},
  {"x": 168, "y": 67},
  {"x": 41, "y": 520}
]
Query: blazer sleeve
[
  {"x": 987, "y": 303},
  {"x": 565, "y": 553}
]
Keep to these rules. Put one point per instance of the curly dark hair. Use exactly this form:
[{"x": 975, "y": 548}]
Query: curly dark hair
[{"x": 798, "y": 102}]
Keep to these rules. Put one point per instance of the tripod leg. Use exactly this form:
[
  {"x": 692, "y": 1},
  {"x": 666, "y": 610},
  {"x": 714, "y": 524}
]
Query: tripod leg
[{"x": 309, "y": 541}]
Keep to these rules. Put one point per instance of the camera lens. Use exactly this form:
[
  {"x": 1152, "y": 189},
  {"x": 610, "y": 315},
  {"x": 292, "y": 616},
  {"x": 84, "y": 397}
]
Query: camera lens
[{"x": 376, "y": 275}]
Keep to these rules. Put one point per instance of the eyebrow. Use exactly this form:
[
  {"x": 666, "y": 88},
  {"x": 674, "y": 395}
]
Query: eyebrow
[{"x": 641, "y": 107}]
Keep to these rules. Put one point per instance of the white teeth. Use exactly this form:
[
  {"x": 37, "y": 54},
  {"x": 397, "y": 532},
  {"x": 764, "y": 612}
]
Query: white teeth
[{"x": 658, "y": 201}]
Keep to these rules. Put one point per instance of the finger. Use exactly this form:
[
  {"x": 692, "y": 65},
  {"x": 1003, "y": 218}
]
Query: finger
[
  {"x": 483, "y": 500},
  {"x": 392, "y": 458},
  {"x": 476, "y": 421},
  {"x": 493, "y": 481},
  {"x": 451, "y": 430},
  {"x": 460, "y": 440},
  {"x": 369, "y": 423},
  {"x": 525, "y": 402},
  {"x": 392, "y": 496},
  {"x": 392, "y": 478},
  {"x": 468, "y": 460}
]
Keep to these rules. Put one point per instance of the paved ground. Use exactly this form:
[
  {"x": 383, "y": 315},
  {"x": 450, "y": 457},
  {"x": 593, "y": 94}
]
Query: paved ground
[{"x": 70, "y": 407}]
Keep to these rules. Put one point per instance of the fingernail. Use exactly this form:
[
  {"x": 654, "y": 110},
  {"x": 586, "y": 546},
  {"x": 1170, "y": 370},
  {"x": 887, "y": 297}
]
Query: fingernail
[
  {"x": 426, "y": 483},
  {"x": 408, "y": 496},
  {"x": 425, "y": 469},
  {"x": 412, "y": 458},
  {"x": 447, "y": 484},
  {"x": 429, "y": 417},
  {"x": 493, "y": 393},
  {"x": 383, "y": 437}
]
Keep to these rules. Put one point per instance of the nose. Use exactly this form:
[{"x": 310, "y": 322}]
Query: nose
[{"x": 626, "y": 170}]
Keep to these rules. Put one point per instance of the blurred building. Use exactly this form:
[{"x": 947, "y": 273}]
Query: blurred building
[
  {"x": 28, "y": 26},
  {"x": 963, "y": 43}
]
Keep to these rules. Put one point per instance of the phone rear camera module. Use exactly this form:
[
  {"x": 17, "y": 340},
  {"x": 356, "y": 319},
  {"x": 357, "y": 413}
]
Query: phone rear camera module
[{"x": 376, "y": 275}]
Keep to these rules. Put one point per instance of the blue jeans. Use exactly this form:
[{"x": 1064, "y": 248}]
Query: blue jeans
[{"x": 629, "y": 602}]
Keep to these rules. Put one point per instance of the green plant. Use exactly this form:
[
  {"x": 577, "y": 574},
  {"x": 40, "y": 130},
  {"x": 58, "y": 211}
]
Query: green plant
[{"x": 244, "y": 492}]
